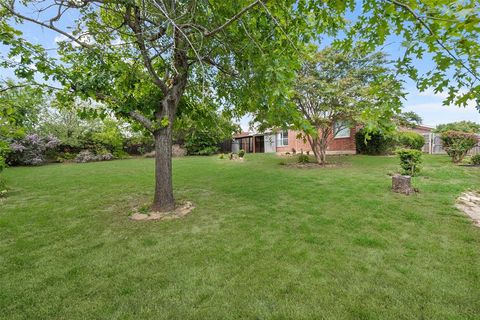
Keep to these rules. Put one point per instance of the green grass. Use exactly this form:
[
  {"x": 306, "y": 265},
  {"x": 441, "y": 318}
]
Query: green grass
[{"x": 265, "y": 242}]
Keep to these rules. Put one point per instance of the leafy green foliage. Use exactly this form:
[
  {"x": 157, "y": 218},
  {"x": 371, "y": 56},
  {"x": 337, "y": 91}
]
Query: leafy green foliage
[
  {"x": 138, "y": 143},
  {"x": 408, "y": 119},
  {"x": 410, "y": 140},
  {"x": 374, "y": 142},
  {"x": 475, "y": 159},
  {"x": 410, "y": 161},
  {"x": 303, "y": 158},
  {"x": 462, "y": 126},
  {"x": 200, "y": 128},
  {"x": 457, "y": 144},
  {"x": 241, "y": 153}
]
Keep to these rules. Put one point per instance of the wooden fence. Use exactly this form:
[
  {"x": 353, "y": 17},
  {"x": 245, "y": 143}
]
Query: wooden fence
[{"x": 433, "y": 145}]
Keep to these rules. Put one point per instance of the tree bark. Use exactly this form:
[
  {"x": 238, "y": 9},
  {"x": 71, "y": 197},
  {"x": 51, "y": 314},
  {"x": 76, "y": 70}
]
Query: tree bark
[
  {"x": 319, "y": 148},
  {"x": 402, "y": 184},
  {"x": 163, "y": 199}
]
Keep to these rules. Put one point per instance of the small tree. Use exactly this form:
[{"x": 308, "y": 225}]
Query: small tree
[
  {"x": 410, "y": 161},
  {"x": 457, "y": 144},
  {"x": 335, "y": 90}
]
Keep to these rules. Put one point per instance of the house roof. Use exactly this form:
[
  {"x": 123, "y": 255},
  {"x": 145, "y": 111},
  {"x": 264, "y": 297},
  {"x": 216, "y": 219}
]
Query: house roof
[{"x": 242, "y": 134}]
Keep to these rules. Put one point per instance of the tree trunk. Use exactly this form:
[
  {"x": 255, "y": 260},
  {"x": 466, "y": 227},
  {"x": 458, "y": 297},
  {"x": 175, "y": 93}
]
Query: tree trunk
[
  {"x": 319, "y": 149},
  {"x": 402, "y": 184},
  {"x": 163, "y": 199}
]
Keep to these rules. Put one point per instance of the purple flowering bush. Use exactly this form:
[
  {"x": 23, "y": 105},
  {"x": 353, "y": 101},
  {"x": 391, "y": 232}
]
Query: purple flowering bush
[
  {"x": 88, "y": 156},
  {"x": 32, "y": 149}
]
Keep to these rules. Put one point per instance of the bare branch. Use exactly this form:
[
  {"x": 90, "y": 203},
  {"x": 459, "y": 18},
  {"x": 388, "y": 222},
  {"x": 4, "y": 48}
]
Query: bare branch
[{"x": 48, "y": 26}]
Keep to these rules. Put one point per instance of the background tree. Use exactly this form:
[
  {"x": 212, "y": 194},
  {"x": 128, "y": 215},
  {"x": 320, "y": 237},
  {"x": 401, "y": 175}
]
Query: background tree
[
  {"x": 462, "y": 126},
  {"x": 335, "y": 91},
  {"x": 407, "y": 119},
  {"x": 201, "y": 128}
]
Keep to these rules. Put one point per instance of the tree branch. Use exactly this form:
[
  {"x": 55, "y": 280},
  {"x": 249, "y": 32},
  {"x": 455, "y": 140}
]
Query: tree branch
[
  {"x": 48, "y": 26},
  {"x": 142, "y": 120},
  {"x": 232, "y": 19},
  {"x": 432, "y": 33},
  {"x": 135, "y": 26}
]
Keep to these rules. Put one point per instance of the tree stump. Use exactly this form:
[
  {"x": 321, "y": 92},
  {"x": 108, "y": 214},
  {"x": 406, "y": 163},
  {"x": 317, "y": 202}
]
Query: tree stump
[{"x": 402, "y": 184}]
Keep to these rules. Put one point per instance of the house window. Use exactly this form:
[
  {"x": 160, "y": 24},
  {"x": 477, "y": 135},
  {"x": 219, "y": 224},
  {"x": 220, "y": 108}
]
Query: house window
[
  {"x": 282, "y": 138},
  {"x": 342, "y": 129}
]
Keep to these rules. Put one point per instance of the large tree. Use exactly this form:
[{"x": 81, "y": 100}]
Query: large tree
[
  {"x": 139, "y": 58},
  {"x": 335, "y": 91}
]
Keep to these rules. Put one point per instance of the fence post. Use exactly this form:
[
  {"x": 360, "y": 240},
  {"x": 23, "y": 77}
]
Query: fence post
[{"x": 430, "y": 146}]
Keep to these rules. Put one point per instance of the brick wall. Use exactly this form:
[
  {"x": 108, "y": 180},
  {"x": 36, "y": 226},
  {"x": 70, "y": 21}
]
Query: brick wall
[{"x": 336, "y": 146}]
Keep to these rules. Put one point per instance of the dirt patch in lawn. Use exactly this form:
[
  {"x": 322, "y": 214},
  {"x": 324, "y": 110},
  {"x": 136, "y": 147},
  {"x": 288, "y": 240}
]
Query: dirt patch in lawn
[
  {"x": 312, "y": 165},
  {"x": 469, "y": 203},
  {"x": 181, "y": 210}
]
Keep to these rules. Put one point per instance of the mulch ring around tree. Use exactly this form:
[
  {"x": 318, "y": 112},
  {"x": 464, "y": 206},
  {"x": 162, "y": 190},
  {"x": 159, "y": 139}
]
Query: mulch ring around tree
[
  {"x": 469, "y": 203},
  {"x": 181, "y": 210}
]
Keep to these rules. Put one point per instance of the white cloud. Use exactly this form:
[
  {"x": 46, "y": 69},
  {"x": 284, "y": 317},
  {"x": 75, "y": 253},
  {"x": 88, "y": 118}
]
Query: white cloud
[{"x": 435, "y": 113}]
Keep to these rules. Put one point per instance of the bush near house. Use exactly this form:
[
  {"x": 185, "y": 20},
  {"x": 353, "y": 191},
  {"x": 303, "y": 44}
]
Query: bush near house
[
  {"x": 374, "y": 143},
  {"x": 410, "y": 140},
  {"x": 457, "y": 144},
  {"x": 410, "y": 160}
]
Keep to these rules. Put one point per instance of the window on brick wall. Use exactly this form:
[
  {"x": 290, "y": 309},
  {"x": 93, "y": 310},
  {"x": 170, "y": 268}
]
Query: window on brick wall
[
  {"x": 342, "y": 129},
  {"x": 282, "y": 138}
]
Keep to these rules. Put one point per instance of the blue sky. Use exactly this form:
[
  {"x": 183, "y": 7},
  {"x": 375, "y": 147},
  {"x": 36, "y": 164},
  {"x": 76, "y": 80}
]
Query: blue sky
[{"x": 427, "y": 104}]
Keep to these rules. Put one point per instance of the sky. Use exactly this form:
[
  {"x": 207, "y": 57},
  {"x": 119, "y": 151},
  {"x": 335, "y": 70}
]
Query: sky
[{"x": 427, "y": 104}]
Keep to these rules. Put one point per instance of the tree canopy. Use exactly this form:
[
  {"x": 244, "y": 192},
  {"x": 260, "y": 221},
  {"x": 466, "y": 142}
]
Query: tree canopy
[
  {"x": 336, "y": 91},
  {"x": 462, "y": 126}
]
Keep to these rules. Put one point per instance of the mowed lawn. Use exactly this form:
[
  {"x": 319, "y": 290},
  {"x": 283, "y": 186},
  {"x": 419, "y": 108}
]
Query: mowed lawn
[{"x": 265, "y": 241}]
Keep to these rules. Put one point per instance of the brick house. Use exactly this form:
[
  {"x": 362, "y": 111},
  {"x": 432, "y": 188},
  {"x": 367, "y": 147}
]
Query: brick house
[{"x": 287, "y": 141}]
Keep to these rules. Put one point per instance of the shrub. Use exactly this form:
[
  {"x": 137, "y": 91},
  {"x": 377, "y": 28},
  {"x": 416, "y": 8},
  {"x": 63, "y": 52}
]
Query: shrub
[
  {"x": 32, "y": 149},
  {"x": 88, "y": 156},
  {"x": 410, "y": 161},
  {"x": 241, "y": 153},
  {"x": 303, "y": 158},
  {"x": 475, "y": 160},
  {"x": 201, "y": 143},
  {"x": 410, "y": 140},
  {"x": 65, "y": 156},
  {"x": 376, "y": 144},
  {"x": 139, "y": 144},
  {"x": 222, "y": 156},
  {"x": 457, "y": 144}
]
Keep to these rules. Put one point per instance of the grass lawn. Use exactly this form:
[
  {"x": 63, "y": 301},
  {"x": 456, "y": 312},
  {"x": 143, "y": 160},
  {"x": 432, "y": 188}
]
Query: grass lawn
[{"x": 265, "y": 242}]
